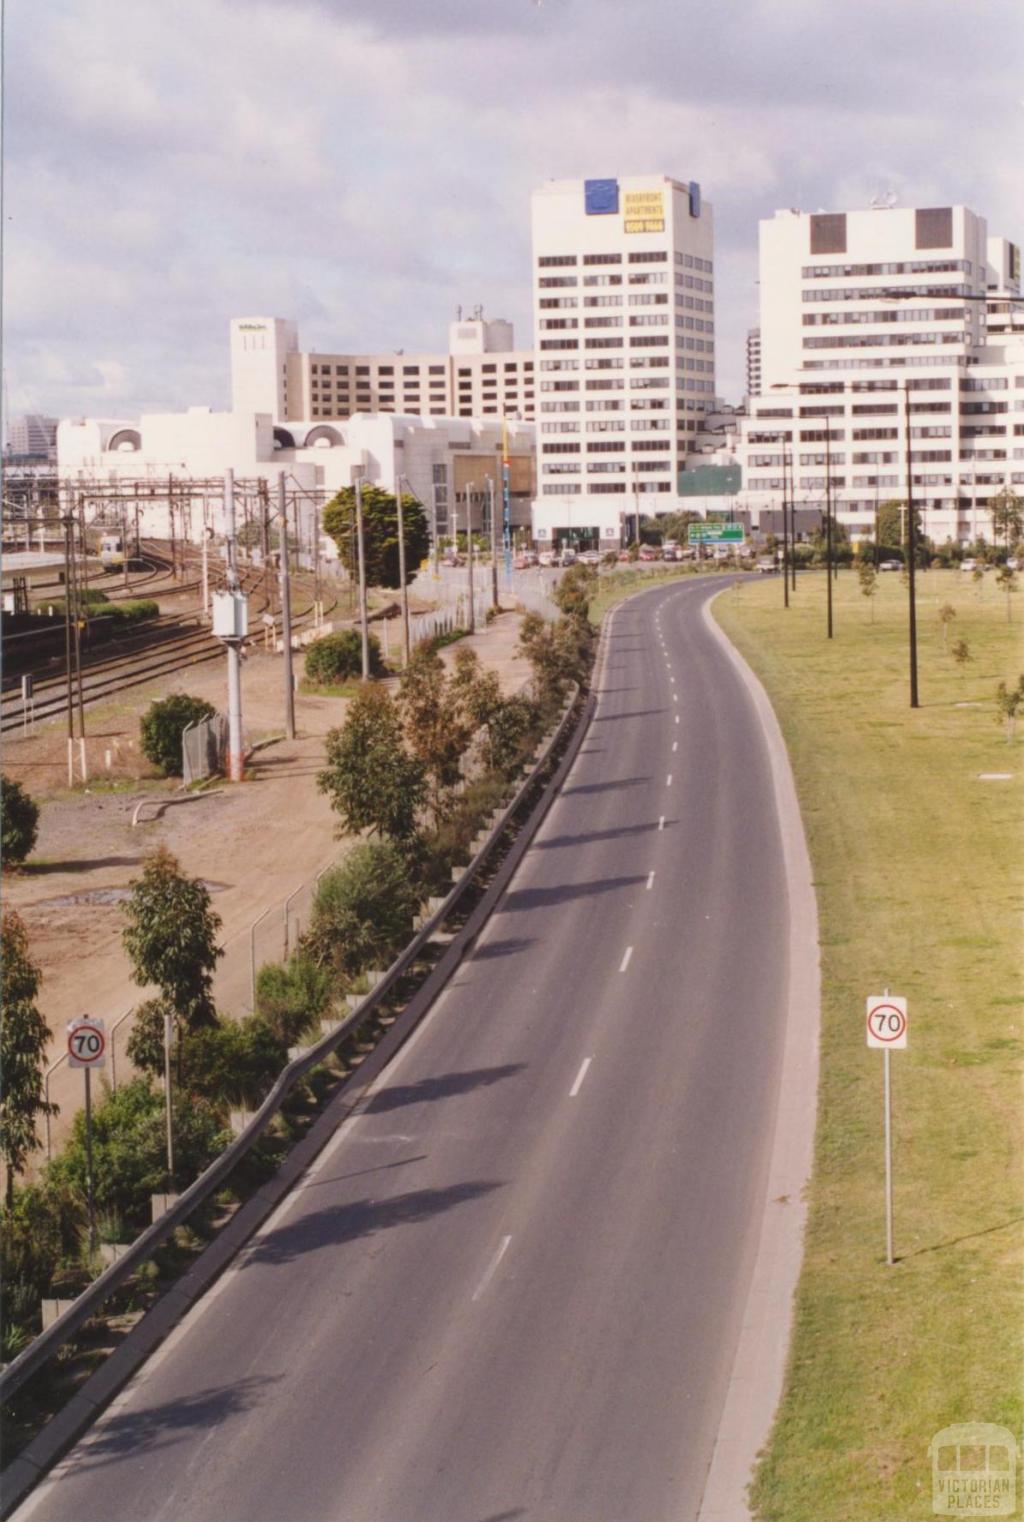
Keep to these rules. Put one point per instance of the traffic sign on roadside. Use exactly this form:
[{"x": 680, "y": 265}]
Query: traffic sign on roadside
[
  {"x": 87, "y": 1043},
  {"x": 886, "y": 1022},
  {"x": 714, "y": 533}
]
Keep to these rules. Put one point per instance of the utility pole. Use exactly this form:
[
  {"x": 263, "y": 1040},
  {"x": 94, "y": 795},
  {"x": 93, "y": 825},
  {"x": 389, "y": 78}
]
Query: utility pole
[
  {"x": 170, "y": 514},
  {"x": 68, "y": 522},
  {"x": 236, "y": 754},
  {"x": 286, "y": 613},
  {"x": 506, "y": 502},
  {"x": 494, "y": 544},
  {"x": 124, "y": 541},
  {"x": 911, "y": 554},
  {"x": 76, "y": 604},
  {"x": 361, "y": 551}
]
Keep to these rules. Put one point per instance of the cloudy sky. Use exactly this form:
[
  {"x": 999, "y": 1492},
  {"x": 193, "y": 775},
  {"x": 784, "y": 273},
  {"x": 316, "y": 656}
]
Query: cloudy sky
[{"x": 366, "y": 165}]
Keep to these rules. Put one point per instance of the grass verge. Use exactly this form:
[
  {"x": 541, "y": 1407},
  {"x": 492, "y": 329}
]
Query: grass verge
[{"x": 918, "y": 871}]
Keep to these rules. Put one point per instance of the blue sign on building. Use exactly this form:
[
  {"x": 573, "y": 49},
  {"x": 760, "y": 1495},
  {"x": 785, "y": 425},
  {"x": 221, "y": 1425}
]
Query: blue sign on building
[
  {"x": 694, "y": 199},
  {"x": 601, "y": 197}
]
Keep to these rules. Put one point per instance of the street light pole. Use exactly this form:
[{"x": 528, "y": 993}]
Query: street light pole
[
  {"x": 361, "y": 551},
  {"x": 286, "y": 613},
  {"x": 494, "y": 544},
  {"x": 469, "y": 554},
  {"x": 401, "y": 570},
  {"x": 785, "y": 529},
  {"x": 911, "y": 554},
  {"x": 828, "y": 521}
]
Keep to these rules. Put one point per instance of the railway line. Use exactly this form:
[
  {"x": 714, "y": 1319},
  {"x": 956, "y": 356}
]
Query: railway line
[{"x": 159, "y": 648}]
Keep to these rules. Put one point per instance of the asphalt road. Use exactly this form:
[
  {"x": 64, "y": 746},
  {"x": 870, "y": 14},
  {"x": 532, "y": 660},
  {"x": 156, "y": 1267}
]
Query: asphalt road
[{"x": 512, "y": 1286}]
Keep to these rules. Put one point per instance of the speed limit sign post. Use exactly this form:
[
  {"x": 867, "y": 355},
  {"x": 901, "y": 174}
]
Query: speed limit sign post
[
  {"x": 886, "y": 1028},
  {"x": 87, "y": 1049}
]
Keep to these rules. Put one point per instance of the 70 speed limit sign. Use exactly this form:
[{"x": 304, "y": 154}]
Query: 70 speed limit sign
[
  {"x": 887, "y": 1022},
  {"x": 87, "y": 1044}
]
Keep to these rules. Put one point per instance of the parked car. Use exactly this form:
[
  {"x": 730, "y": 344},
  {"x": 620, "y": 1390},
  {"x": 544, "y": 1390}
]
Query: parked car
[
  {"x": 1013, "y": 564},
  {"x": 623, "y": 556},
  {"x": 590, "y": 557},
  {"x": 649, "y": 552},
  {"x": 766, "y": 564},
  {"x": 969, "y": 565},
  {"x": 547, "y": 557},
  {"x": 890, "y": 565},
  {"x": 567, "y": 557}
]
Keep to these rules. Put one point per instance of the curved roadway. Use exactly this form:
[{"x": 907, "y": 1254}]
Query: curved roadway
[{"x": 511, "y": 1286}]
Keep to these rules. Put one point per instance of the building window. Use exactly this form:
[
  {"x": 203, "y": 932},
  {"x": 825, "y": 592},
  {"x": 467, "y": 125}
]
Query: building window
[
  {"x": 652, "y": 256},
  {"x": 549, "y": 261},
  {"x": 602, "y": 258}
]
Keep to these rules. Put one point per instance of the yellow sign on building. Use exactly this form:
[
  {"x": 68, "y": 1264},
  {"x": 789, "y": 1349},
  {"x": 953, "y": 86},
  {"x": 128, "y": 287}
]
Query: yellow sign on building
[{"x": 643, "y": 211}]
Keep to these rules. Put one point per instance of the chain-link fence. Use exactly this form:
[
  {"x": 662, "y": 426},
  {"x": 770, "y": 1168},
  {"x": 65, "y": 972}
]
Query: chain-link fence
[{"x": 204, "y": 746}]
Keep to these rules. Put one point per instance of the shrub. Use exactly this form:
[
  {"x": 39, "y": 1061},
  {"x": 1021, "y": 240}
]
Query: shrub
[
  {"x": 19, "y": 822},
  {"x": 291, "y": 996},
  {"x": 235, "y": 1062},
  {"x": 451, "y": 841},
  {"x": 339, "y": 657},
  {"x": 134, "y": 611},
  {"x": 372, "y": 781},
  {"x": 39, "y": 1230},
  {"x": 130, "y": 1149},
  {"x": 162, "y": 726},
  {"x": 363, "y": 909}
]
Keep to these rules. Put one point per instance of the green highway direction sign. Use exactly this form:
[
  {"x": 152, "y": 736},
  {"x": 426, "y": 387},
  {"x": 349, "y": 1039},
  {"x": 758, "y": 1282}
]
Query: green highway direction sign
[{"x": 715, "y": 533}]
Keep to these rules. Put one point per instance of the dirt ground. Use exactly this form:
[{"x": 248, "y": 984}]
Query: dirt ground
[{"x": 256, "y": 844}]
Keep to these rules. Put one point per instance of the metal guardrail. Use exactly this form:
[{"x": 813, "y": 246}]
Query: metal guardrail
[{"x": 43, "y": 1347}]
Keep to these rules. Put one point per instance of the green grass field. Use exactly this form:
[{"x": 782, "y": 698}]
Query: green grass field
[{"x": 918, "y": 867}]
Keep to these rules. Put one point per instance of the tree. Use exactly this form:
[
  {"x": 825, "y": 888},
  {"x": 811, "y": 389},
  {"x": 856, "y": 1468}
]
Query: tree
[
  {"x": 961, "y": 653},
  {"x": 1007, "y": 512},
  {"x": 1006, "y": 581},
  {"x": 574, "y": 591},
  {"x": 24, "y": 1040},
  {"x": 437, "y": 721},
  {"x": 363, "y": 910},
  {"x": 380, "y": 533},
  {"x": 1009, "y": 701},
  {"x": 19, "y": 822},
  {"x": 946, "y": 615},
  {"x": 560, "y": 653},
  {"x": 372, "y": 781},
  {"x": 339, "y": 657},
  {"x": 164, "y": 723},
  {"x": 171, "y": 938},
  {"x": 128, "y": 1149},
  {"x": 868, "y": 578}
]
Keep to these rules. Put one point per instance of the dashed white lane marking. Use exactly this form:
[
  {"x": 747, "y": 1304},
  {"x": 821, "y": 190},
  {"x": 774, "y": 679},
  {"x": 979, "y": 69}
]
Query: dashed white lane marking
[
  {"x": 580, "y": 1077},
  {"x": 492, "y": 1267},
  {"x": 668, "y": 780},
  {"x": 625, "y": 960},
  {"x": 677, "y": 718},
  {"x": 675, "y": 745},
  {"x": 675, "y": 697},
  {"x": 650, "y": 881},
  {"x": 661, "y": 822}
]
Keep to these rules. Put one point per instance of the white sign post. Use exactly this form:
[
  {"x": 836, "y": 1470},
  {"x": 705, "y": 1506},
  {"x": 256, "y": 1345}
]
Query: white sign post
[
  {"x": 887, "y": 1029},
  {"x": 87, "y": 1049}
]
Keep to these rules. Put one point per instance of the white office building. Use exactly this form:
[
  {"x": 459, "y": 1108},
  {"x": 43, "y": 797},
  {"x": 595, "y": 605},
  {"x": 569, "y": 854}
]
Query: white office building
[
  {"x": 884, "y": 330},
  {"x": 623, "y": 286},
  {"x": 481, "y": 374},
  {"x": 168, "y": 464}
]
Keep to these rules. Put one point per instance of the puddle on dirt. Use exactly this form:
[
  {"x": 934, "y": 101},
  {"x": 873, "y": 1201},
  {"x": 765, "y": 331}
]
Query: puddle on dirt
[{"x": 106, "y": 896}]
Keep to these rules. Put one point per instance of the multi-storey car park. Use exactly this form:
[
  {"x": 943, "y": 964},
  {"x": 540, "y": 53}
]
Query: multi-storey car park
[{"x": 885, "y": 330}]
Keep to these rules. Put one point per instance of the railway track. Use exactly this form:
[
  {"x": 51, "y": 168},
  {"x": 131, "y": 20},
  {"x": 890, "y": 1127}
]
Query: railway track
[{"x": 107, "y": 675}]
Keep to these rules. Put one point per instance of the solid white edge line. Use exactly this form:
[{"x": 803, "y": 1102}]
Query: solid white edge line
[
  {"x": 492, "y": 1267},
  {"x": 580, "y": 1077},
  {"x": 759, "y": 1364},
  {"x": 625, "y": 960}
]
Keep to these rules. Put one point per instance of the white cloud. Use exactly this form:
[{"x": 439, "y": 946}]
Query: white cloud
[{"x": 364, "y": 165}]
